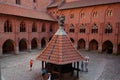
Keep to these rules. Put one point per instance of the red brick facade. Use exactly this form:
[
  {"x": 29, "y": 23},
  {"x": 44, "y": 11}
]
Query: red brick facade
[
  {"x": 25, "y": 27},
  {"x": 93, "y": 27}
]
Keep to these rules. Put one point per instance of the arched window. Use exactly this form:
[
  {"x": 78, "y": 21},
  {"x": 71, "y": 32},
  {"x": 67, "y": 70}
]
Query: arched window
[
  {"x": 82, "y": 28},
  {"x": 95, "y": 14},
  {"x": 7, "y": 26},
  {"x": 109, "y": 13},
  {"x": 51, "y": 29},
  {"x": 82, "y": 15},
  {"x": 43, "y": 28},
  {"x": 34, "y": 27},
  {"x": 72, "y": 28},
  {"x": 94, "y": 29},
  {"x": 22, "y": 27},
  {"x": 71, "y": 16},
  {"x": 108, "y": 28}
]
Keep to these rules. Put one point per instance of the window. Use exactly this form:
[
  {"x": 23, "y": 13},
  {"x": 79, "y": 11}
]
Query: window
[
  {"x": 17, "y": 1},
  {"x": 43, "y": 28},
  {"x": 7, "y": 26},
  {"x": 22, "y": 27},
  {"x": 34, "y": 27},
  {"x": 109, "y": 13},
  {"x": 82, "y": 15},
  {"x": 94, "y": 29},
  {"x": 82, "y": 28},
  {"x": 95, "y": 14},
  {"x": 71, "y": 16},
  {"x": 108, "y": 28},
  {"x": 72, "y": 28}
]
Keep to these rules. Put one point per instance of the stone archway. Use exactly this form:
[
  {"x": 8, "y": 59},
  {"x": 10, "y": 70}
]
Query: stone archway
[
  {"x": 72, "y": 40},
  {"x": 22, "y": 45},
  {"x": 50, "y": 38},
  {"x": 43, "y": 43},
  {"x": 107, "y": 46},
  {"x": 118, "y": 49},
  {"x": 34, "y": 44},
  {"x": 81, "y": 44},
  {"x": 93, "y": 45},
  {"x": 8, "y": 47}
]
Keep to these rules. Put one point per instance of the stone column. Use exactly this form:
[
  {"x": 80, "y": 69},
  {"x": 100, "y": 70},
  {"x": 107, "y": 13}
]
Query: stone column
[
  {"x": 100, "y": 48},
  {"x": 39, "y": 46},
  {"x": 114, "y": 49},
  {"x": 29, "y": 47},
  {"x": 87, "y": 46},
  {"x": 17, "y": 50},
  {"x": 1, "y": 51}
]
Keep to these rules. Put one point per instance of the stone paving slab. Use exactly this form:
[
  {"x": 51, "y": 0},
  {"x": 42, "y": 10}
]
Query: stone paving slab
[{"x": 101, "y": 66}]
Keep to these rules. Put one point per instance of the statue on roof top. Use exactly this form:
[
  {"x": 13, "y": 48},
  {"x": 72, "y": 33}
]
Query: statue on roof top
[{"x": 61, "y": 20}]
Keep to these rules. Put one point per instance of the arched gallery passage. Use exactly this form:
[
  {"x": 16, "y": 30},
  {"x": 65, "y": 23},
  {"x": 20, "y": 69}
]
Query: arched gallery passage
[
  {"x": 107, "y": 46},
  {"x": 50, "y": 38},
  {"x": 81, "y": 44},
  {"x": 22, "y": 45},
  {"x": 72, "y": 40},
  {"x": 43, "y": 43},
  {"x": 34, "y": 43},
  {"x": 8, "y": 47},
  {"x": 118, "y": 49},
  {"x": 93, "y": 45}
]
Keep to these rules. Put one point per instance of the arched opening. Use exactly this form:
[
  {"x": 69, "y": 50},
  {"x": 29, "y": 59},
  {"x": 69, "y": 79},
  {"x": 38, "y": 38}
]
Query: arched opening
[
  {"x": 7, "y": 26},
  {"x": 22, "y": 45},
  {"x": 72, "y": 40},
  {"x": 8, "y": 47},
  {"x": 43, "y": 43},
  {"x": 118, "y": 49},
  {"x": 50, "y": 38},
  {"x": 81, "y": 44},
  {"x": 107, "y": 47},
  {"x": 93, "y": 45},
  {"x": 34, "y": 44}
]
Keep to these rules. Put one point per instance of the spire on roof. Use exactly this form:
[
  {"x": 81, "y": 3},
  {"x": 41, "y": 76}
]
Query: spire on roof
[{"x": 61, "y": 31}]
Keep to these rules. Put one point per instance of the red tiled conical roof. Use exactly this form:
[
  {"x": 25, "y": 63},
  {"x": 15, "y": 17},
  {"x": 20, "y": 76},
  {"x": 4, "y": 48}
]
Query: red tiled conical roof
[{"x": 60, "y": 50}]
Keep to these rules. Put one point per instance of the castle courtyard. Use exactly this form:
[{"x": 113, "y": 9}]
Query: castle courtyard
[{"x": 102, "y": 66}]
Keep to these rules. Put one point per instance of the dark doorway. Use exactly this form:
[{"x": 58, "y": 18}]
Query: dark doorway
[
  {"x": 118, "y": 49},
  {"x": 72, "y": 40},
  {"x": 107, "y": 47},
  {"x": 22, "y": 45},
  {"x": 43, "y": 43},
  {"x": 93, "y": 45},
  {"x": 8, "y": 47},
  {"x": 81, "y": 44},
  {"x": 34, "y": 44}
]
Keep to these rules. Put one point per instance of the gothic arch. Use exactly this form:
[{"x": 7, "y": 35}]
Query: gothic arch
[
  {"x": 43, "y": 43},
  {"x": 108, "y": 11},
  {"x": 22, "y": 26},
  {"x": 118, "y": 49},
  {"x": 93, "y": 45},
  {"x": 22, "y": 45},
  {"x": 107, "y": 46},
  {"x": 50, "y": 38},
  {"x": 81, "y": 44},
  {"x": 8, "y": 26},
  {"x": 8, "y": 46},
  {"x": 72, "y": 40},
  {"x": 34, "y": 44}
]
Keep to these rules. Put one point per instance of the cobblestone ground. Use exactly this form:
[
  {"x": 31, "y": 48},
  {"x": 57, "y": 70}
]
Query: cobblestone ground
[{"x": 101, "y": 66}]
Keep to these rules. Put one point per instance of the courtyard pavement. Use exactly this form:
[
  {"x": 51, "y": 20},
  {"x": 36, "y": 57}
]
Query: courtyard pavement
[{"x": 101, "y": 66}]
